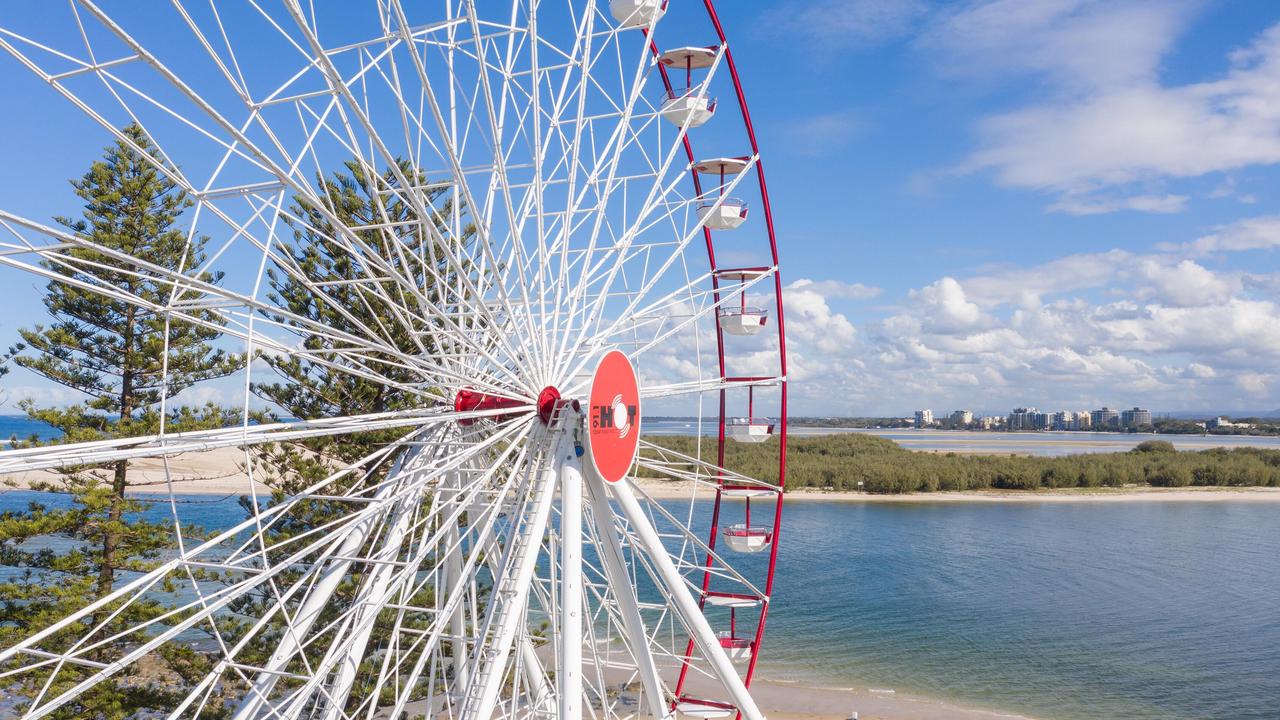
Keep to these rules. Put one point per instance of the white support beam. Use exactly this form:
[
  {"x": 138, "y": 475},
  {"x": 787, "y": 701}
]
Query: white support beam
[
  {"x": 683, "y": 603},
  {"x": 615, "y": 570},
  {"x": 569, "y": 672}
]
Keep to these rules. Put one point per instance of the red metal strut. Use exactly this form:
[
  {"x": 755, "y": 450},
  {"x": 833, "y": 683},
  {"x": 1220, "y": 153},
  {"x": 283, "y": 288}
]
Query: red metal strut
[{"x": 472, "y": 400}]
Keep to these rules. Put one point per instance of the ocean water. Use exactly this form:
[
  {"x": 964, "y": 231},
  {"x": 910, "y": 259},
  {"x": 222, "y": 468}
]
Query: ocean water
[
  {"x": 1067, "y": 611},
  {"x": 1061, "y": 611},
  {"x": 1021, "y": 443},
  {"x": 23, "y": 427}
]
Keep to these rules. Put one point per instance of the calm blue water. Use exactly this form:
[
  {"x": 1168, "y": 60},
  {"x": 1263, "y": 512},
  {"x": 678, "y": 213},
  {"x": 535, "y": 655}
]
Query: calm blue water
[
  {"x": 23, "y": 428},
  {"x": 1003, "y": 443},
  {"x": 1060, "y": 611},
  {"x": 1132, "y": 610}
]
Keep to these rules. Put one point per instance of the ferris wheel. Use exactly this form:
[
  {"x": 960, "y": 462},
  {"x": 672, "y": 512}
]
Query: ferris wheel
[{"x": 570, "y": 236}]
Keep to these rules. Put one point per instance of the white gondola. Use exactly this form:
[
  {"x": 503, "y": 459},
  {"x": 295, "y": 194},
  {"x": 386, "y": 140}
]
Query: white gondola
[
  {"x": 690, "y": 707},
  {"x": 752, "y": 430},
  {"x": 732, "y": 602},
  {"x": 743, "y": 320},
  {"x": 729, "y": 215},
  {"x": 738, "y": 649},
  {"x": 636, "y": 13},
  {"x": 687, "y": 106},
  {"x": 744, "y": 539},
  {"x": 748, "y": 491}
]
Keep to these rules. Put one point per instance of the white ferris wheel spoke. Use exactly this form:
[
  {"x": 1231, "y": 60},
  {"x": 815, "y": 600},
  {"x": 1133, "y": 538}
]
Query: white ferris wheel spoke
[{"x": 523, "y": 207}]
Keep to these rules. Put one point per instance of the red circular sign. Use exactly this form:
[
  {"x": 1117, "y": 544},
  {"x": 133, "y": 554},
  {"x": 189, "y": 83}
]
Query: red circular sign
[{"x": 613, "y": 420}]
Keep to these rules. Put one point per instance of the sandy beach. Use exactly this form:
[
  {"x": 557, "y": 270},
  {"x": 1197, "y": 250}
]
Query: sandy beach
[{"x": 213, "y": 472}]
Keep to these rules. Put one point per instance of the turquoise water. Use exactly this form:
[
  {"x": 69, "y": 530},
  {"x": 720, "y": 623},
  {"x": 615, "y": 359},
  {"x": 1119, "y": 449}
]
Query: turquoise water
[
  {"x": 1061, "y": 611},
  {"x": 1071, "y": 611}
]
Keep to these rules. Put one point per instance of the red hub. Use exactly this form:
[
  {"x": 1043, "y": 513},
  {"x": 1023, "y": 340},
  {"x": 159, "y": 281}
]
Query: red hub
[{"x": 547, "y": 400}]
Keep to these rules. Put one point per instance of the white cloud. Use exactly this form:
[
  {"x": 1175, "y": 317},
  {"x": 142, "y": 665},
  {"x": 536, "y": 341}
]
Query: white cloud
[
  {"x": 1104, "y": 121},
  {"x": 1077, "y": 42},
  {"x": 1114, "y": 328},
  {"x": 812, "y": 322},
  {"x": 858, "y": 24},
  {"x": 1199, "y": 371},
  {"x": 945, "y": 307},
  {"x": 1256, "y": 233},
  {"x": 836, "y": 289},
  {"x": 1253, "y": 383},
  {"x": 1186, "y": 284},
  {"x": 1084, "y": 205}
]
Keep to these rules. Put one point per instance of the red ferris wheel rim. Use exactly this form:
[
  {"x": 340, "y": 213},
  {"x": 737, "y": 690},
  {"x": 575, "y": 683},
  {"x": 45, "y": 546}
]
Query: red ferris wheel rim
[{"x": 781, "y": 427}]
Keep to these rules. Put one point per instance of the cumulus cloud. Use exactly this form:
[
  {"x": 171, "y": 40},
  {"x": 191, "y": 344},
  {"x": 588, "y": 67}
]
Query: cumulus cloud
[
  {"x": 813, "y": 322},
  {"x": 1115, "y": 328},
  {"x": 1186, "y": 284},
  {"x": 945, "y": 307}
]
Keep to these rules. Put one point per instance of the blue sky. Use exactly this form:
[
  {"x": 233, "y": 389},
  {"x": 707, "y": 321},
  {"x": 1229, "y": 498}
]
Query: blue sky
[{"x": 980, "y": 204}]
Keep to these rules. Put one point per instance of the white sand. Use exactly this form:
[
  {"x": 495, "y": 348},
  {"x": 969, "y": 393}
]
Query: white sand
[{"x": 212, "y": 472}]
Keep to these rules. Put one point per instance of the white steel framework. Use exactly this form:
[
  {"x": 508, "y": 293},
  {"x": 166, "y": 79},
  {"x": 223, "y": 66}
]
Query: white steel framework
[{"x": 530, "y": 208}]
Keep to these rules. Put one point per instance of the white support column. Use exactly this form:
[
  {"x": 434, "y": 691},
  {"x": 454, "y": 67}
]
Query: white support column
[
  {"x": 569, "y": 672},
  {"x": 615, "y": 570},
  {"x": 684, "y": 604}
]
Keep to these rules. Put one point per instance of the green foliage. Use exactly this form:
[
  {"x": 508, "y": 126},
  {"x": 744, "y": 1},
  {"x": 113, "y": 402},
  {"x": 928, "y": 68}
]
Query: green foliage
[
  {"x": 367, "y": 282},
  {"x": 116, "y": 352},
  {"x": 1151, "y": 446},
  {"x": 840, "y": 461}
]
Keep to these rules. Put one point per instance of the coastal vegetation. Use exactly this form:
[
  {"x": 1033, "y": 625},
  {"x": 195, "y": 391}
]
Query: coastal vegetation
[{"x": 842, "y": 461}]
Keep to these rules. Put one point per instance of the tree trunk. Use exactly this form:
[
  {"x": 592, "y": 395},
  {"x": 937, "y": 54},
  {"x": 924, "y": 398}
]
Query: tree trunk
[{"x": 111, "y": 536}]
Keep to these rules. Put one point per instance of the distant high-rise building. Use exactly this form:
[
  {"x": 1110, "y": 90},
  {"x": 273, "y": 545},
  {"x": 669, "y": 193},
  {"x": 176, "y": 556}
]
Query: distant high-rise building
[
  {"x": 924, "y": 418},
  {"x": 1063, "y": 420},
  {"x": 961, "y": 417},
  {"x": 1022, "y": 419},
  {"x": 1136, "y": 417},
  {"x": 1104, "y": 418},
  {"x": 1084, "y": 420}
]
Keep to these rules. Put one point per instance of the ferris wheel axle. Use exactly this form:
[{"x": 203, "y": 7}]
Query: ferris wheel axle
[{"x": 469, "y": 400}]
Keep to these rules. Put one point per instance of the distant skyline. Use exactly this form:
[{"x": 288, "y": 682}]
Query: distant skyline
[{"x": 977, "y": 202}]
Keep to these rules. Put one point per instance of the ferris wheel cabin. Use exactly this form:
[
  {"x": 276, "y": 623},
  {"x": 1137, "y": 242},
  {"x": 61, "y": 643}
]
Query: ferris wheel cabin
[
  {"x": 722, "y": 213},
  {"x": 636, "y": 13},
  {"x": 740, "y": 318},
  {"x": 689, "y": 105}
]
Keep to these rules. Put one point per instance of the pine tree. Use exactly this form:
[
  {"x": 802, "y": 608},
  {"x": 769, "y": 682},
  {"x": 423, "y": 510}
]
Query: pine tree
[
  {"x": 351, "y": 303},
  {"x": 116, "y": 353}
]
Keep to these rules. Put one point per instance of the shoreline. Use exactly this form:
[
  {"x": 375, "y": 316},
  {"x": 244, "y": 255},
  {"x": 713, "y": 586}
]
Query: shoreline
[
  {"x": 221, "y": 472},
  {"x": 800, "y": 700},
  {"x": 664, "y": 490}
]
